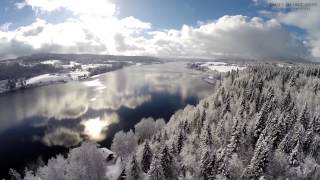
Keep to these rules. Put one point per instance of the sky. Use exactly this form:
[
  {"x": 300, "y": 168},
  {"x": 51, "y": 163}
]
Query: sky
[{"x": 255, "y": 29}]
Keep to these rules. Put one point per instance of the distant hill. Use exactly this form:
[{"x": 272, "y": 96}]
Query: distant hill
[{"x": 84, "y": 58}]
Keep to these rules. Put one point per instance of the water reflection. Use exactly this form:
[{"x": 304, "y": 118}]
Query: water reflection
[
  {"x": 95, "y": 128},
  {"x": 62, "y": 136},
  {"x": 65, "y": 114},
  {"x": 130, "y": 87}
]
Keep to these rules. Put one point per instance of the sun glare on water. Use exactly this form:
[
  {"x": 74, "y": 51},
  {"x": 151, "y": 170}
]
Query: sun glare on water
[{"x": 96, "y": 128}]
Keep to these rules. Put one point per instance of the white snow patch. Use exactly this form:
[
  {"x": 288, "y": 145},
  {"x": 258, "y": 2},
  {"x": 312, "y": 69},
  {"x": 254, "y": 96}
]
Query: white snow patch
[
  {"x": 94, "y": 83},
  {"x": 101, "y": 88},
  {"x": 105, "y": 152},
  {"x": 93, "y": 66},
  {"x": 220, "y": 66},
  {"x": 70, "y": 65},
  {"x": 48, "y": 79},
  {"x": 95, "y": 76},
  {"x": 114, "y": 171},
  {"x": 51, "y": 62},
  {"x": 76, "y": 75},
  {"x": 225, "y": 68}
]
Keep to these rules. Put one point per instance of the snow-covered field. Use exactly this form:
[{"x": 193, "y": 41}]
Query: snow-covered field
[
  {"x": 215, "y": 66},
  {"x": 92, "y": 66},
  {"x": 212, "y": 67},
  {"x": 221, "y": 66},
  {"x": 52, "y": 62},
  {"x": 46, "y": 79}
]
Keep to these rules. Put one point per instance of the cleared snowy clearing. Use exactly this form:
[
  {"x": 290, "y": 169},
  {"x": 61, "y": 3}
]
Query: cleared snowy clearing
[
  {"x": 48, "y": 79},
  {"x": 215, "y": 66},
  {"x": 221, "y": 66},
  {"x": 225, "y": 68}
]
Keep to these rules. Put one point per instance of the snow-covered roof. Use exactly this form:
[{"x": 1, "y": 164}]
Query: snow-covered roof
[{"x": 106, "y": 152}]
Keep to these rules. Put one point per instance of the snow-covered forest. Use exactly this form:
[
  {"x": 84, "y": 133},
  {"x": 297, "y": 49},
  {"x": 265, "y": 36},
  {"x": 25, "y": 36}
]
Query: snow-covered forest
[{"x": 259, "y": 123}]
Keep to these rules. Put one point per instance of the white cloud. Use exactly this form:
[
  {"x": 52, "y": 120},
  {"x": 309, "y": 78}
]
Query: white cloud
[
  {"x": 5, "y": 26},
  {"x": 305, "y": 16},
  {"x": 230, "y": 36},
  {"x": 308, "y": 20},
  {"x": 94, "y": 30},
  {"x": 88, "y": 34},
  {"x": 20, "y": 5}
]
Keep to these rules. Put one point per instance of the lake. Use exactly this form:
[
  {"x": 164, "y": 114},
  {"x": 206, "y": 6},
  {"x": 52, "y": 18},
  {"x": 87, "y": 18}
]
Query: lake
[{"x": 39, "y": 123}]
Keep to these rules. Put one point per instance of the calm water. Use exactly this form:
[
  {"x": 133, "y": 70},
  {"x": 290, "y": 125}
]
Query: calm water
[{"x": 44, "y": 121}]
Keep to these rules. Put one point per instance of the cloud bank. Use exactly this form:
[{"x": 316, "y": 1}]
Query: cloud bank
[
  {"x": 305, "y": 16},
  {"x": 310, "y": 23},
  {"x": 94, "y": 28}
]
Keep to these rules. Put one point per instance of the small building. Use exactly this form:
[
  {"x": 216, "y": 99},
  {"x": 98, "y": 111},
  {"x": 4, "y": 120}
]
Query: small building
[{"x": 107, "y": 154}]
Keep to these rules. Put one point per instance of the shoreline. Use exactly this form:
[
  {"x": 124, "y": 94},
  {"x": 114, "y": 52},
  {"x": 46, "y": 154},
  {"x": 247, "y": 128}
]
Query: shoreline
[{"x": 52, "y": 82}]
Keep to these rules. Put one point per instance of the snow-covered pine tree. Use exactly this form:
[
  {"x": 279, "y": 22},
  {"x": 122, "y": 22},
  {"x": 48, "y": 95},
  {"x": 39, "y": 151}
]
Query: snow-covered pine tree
[
  {"x": 221, "y": 163},
  {"x": 167, "y": 163},
  {"x": 261, "y": 120},
  {"x": 316, "y": 123},
  {"x": 292, "y": 82},
  {"x": 270, "y": 94},
  {"x": 217, "y": 102},
  {"x": 304, "y": 117},
  {"x": 226, "y": 106},
  {"x": 156, "y": 170},
  {"x": 293, "y": 159},
  {"x": 258, "y": 162},
  {"x": 206, "y": 136},
  {"x": 207, "y": 165},
  {"x": 14, "y": 174},
  {"x": 165, "y": 136},
  {"x": 146, "y": 157},
  {"x": 234, "y": 141},
  {"x": 307, "y": 139},
  {"x": 180, "y": 141},
  {"x": 173, "y": 149},
  {"x": 285, "y": 102},
  {"x": 134, "y": 171},
  {"x": 316, "y": 88}
]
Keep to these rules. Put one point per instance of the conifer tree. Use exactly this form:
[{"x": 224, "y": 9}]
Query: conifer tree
[
  {"x": 284, "y": 104},
  {"x": 180, "y": 141},
  {"x": 146, "y": 158},
  {"x": 207, "y": 165},
  {"x": 293, "y": 160},
  {"x": 258, "y": 162},
  {"x": 166, "y": 163},
  {"x": 261, "y": 120},
  {"x": 156, "y": 170},
  {"x": 304, "y": 117},
  {"x": 134, "y": 171},
  {"x": 316, "y": 123},
  {"x": 235, "y": 136}
]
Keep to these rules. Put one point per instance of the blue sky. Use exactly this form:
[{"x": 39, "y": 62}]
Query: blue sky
[
  {"x": 21, "y": 17},
  {"x": 164, "y": 14},
  {"x": 157, "y": 27},
  {"x": 175, "y": 13}
]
